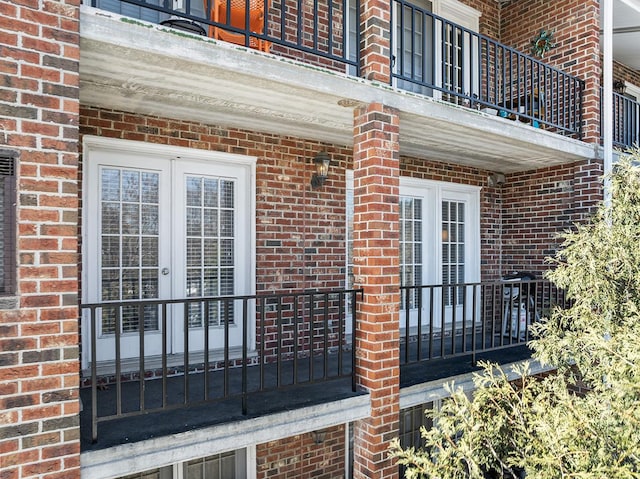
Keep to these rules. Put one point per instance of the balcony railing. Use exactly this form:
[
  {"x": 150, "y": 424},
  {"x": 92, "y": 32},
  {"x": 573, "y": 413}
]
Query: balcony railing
[
  {"x": 626, "y": 121},
  {"x": 287, "y": 340},
  {"x": 445, "y": 321},
  {"x": 315, "y": 32},
  {"x": 436, "y": 57}
]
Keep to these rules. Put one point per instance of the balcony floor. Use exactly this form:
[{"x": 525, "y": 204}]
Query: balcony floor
[{"x": 181, "y": 419}]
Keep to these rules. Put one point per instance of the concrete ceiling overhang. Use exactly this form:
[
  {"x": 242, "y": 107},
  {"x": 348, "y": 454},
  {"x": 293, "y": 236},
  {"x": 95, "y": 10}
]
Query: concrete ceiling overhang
[
  {"x": 148, "y": 69},
  {"x": 626, "y": 32}
]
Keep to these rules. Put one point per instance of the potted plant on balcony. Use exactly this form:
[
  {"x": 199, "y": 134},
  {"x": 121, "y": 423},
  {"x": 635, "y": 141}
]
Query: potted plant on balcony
[{"x": 542, "y": 43}]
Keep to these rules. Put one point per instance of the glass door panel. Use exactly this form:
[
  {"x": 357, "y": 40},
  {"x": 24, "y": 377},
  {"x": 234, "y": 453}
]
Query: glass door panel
[
  {"x": 207, "y": 263},
  {"x": 127, "y": 249}
]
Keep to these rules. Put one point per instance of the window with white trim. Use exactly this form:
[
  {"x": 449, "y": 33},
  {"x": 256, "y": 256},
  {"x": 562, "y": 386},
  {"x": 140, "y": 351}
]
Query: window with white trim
[{"x": 227, "y": 465}]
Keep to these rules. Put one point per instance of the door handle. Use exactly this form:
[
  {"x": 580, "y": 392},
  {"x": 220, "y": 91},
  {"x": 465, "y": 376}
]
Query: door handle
[{"x": 165, "y": 271}]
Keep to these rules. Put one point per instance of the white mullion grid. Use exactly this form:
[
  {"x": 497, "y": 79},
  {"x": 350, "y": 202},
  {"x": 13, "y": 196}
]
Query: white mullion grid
[
  {"x": 452, "y": 269},
  {"x": 120, "y": 237},
  {"x": 409, "y": 221},
  {"x": 195, "y": 309}
]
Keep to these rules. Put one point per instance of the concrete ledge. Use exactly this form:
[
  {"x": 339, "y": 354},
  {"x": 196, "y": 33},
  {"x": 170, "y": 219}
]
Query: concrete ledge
[
  {"x": 435, "y": 390},
  {"x": 140, "y": 456}
]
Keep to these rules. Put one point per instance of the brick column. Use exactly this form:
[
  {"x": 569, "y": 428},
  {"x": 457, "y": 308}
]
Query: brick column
[
  {"x": 376, "y": 268},
  {"x": 375, "y": 40},
  {"x": 39, "y": 368}
]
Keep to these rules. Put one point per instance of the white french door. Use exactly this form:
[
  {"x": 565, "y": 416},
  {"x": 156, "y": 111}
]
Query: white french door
[
  {"x": 439, "y": 245},
  {"x": 161, "y": 227},
  {"x": 413, "y": 48},
  {"x": 426, "y": 50}
]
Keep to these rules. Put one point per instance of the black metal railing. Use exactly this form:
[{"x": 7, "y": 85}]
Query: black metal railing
[
  {"x": 441, "y": 321},
  {"x": 317, "y": 32},
  {"x": 285, "y": 340},
  {"x": 626, "y": 121},
  {"x": 436, "y": 57}
]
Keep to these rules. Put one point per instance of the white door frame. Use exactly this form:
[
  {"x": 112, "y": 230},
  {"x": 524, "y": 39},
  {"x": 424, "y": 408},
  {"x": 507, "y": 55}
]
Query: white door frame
[{"x": 94, "y": 146}]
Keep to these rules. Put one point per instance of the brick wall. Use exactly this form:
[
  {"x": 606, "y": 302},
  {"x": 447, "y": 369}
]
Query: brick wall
[
  {"x": 39, "y": 51},
  {"x": 489, "y": 18},
  {"x": 300, "y": 457},
  {"x": 537, "y": 205},
  {"x": 300, "y": 232},
  {"x": 623, "y": 72},
  {"x": 577, "y": 35}
]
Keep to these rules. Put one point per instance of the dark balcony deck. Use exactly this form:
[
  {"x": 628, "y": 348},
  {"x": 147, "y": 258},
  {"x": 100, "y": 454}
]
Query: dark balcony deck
[{"x": 181, "y": 418}]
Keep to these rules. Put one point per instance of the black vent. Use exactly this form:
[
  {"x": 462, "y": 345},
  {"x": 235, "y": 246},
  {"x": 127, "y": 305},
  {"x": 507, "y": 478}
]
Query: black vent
[
  {"x": 7, "y": 167},
  {"x": 7, "y": 223}
]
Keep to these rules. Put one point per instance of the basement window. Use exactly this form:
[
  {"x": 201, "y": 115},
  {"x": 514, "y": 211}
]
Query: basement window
[{"x": 8, "y": 232}]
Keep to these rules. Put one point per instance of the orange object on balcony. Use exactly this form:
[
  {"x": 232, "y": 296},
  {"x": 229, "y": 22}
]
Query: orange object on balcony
[{"x": 237, "y": 19}]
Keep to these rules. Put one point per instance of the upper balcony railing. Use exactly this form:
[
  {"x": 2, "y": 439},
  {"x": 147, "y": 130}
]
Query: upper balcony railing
[
  {"x": 436, "y": 57},
  {"x": 314, "y": 32},
  {"x": 430, "y": 55}
]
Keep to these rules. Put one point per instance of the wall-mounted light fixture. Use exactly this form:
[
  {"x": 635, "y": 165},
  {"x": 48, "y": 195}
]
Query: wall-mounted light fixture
[
  {"x": 318, "y": 436},
  {"x": 322, "y": 162},
  {"x": 496, "y": 179},
  {"x": 619, "y": 86}
]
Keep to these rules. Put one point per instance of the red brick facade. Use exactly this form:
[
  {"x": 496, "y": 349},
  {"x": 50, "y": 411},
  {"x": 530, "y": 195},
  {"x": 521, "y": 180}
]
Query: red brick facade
[
  {"x": 303, "y": 456},
  {"x": 376, "y": 270},
  {"x": 624, "y": 73},
  {"x": 537, "y": 205},
  {"x": 300, "y": 232},
  {"x": 39, "y": 433}
]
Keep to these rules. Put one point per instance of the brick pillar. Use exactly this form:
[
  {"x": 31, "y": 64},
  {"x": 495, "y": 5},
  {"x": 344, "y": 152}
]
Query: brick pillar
[
  {"x": 39, "y": 367},
  {"x": 375, "y": 40},
  {"x": 376, "y": 268}
]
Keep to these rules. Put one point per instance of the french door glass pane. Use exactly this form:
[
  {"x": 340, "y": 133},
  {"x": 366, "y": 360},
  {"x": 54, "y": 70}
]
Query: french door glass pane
[
  {"x": 129, "y": 215},
  {"x": 453, "y": 248},
  {"x": 210, "y": 251},
  {"x": 410, "y": 246}
]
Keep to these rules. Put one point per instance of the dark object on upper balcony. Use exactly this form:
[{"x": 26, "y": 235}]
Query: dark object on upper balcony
[{"x": 184, "y": 25}]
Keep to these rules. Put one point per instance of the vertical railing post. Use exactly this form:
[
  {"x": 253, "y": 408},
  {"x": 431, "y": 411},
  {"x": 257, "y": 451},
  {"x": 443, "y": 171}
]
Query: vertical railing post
[
  {"x": 206, "y": 318},
  {"x": 245, "y": 327},
  {"x": 419, "y": 292},
  {"x": 185, "y": 345},
  {"x": 227, "y": 320},
  {"x": 165, "y": 338},
  {"x": 296, "y": 338},
  {"x": 94, "y": 376},
  {"x": 118, "y": 353},
  {"x": 142, "y": 353},
  {"x": 325, "y": 349},
  {"x": 353, "y": 337},
  {"x": 407, "y": 322}
]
